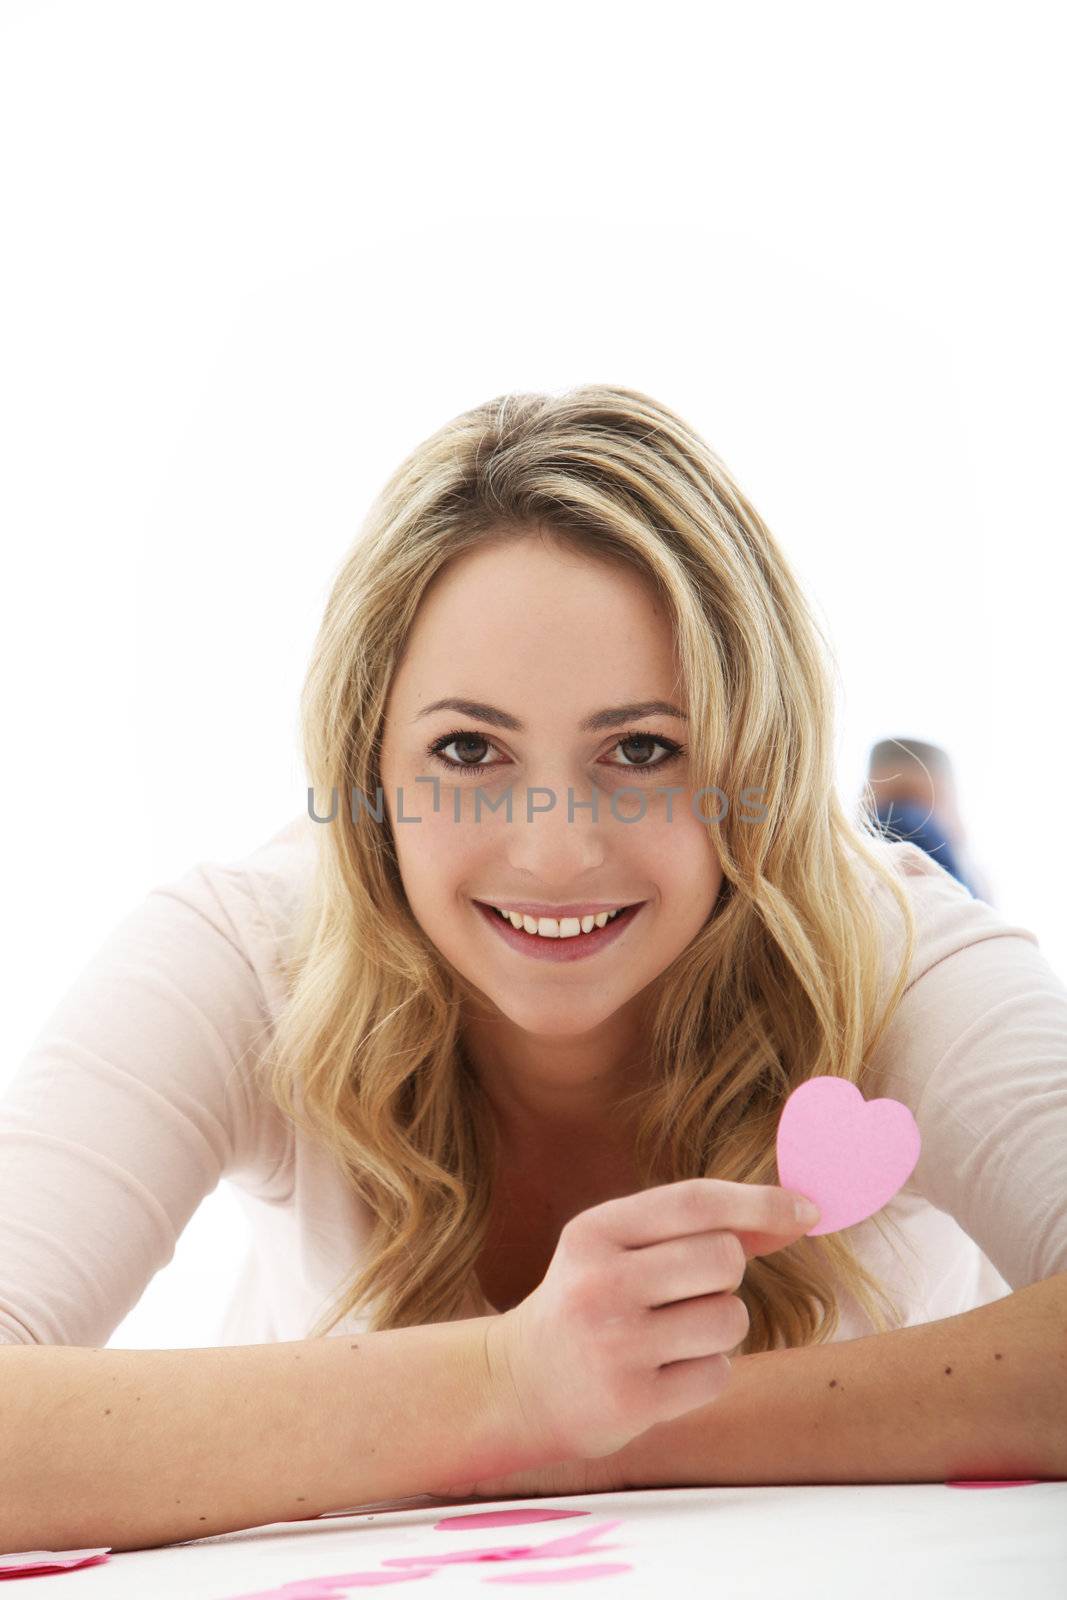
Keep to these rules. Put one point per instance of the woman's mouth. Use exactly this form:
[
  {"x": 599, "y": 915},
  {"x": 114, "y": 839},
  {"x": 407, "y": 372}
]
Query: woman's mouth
[{"x": 574, "y": 947}]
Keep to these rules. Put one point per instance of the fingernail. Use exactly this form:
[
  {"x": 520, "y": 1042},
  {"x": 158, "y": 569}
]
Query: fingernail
[{"x": 807, "y": 1213}]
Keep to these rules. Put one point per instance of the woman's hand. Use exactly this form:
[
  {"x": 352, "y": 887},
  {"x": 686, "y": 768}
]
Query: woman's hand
[{"x": 632, "y": 1322}]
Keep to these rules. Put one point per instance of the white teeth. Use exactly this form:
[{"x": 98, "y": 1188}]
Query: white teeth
[{"x": 553, "y": 928}]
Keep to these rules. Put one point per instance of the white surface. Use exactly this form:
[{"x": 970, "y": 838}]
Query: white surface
[{"x": 813, "y": 1542}]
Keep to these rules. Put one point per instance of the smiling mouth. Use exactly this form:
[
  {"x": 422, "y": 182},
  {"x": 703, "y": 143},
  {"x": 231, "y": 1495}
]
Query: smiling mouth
[
  {"x": 567, "y": 946},
  {"x": 557, "y": 927}
]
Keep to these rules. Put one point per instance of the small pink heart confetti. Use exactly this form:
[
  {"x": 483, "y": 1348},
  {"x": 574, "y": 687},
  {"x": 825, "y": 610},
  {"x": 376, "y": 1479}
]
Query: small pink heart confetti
[
  {"x": 572, "y": 1544},
  {"x": 503, "y": 1519},
  {"x": 328, "y": 1588},
  {"x": 990, "y": 1483},
  {"x": 846, "y": 1154},
  {"x": 28, "y": 1563}
]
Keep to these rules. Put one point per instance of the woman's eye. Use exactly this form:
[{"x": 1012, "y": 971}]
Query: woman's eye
[
  {"x": 458, "y": 739},
  {"x": 464, "y": 741},
  {"x": 647, "y": 739}
]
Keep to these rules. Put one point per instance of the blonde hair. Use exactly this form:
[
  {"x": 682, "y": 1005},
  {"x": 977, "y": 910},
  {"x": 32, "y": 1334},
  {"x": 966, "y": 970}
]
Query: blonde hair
[{"x": 781, "y": 984}]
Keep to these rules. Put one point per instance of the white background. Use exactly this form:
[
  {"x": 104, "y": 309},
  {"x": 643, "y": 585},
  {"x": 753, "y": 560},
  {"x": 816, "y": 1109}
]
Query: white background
[{"x": 253, "y": 253}]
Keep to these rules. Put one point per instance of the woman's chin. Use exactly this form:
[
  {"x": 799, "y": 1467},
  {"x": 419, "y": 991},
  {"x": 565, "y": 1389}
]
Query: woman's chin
[{"x": 573, "y": 1023}]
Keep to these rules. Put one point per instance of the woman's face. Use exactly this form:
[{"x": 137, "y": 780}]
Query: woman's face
[{"x": 545, "y": 639}]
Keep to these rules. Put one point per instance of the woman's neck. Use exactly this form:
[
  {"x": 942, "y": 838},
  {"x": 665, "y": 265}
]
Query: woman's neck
[{"x": 559, "y": 1090}]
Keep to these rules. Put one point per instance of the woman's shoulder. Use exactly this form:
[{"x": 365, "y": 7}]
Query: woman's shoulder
[
  {"x": 973, "y": 974},
  {"x": 255, "y": 899},
  {"x": 948, "y": 918},
  {"x": 276, "y": 873},
  {"x": 977, "y": 1050}
]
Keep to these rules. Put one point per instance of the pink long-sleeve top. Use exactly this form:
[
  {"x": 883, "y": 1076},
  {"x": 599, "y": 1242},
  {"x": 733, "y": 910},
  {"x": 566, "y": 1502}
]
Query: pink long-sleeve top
[{"x": 136, "y": 1098}]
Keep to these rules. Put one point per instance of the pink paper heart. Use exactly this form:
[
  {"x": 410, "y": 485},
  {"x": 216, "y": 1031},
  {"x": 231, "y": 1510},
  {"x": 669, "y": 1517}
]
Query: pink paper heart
[{"x": 846, "y": 1154}]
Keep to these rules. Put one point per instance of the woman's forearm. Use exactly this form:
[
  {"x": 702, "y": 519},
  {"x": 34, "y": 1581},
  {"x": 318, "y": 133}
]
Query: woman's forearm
[
  {"x": 979, "y": 1395},
  {"x": 131, "y": 1448}
]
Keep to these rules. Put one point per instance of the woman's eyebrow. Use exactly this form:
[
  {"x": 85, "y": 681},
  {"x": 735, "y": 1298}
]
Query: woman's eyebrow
[{"x": 610, "y": 717}]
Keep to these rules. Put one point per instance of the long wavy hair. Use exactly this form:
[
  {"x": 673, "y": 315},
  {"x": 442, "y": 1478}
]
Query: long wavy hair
[{"x": 786, "y": 980}]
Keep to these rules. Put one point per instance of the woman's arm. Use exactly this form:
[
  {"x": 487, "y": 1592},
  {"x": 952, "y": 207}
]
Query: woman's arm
[
  {"x": 132, "y": 1448},
  {"x": 979, "y": 1395},
  {"x": 881, "y": 1409}
]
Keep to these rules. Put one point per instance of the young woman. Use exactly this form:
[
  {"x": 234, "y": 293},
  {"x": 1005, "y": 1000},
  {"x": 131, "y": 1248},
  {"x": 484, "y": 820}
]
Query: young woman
[{"x": 494, "y": 1041}]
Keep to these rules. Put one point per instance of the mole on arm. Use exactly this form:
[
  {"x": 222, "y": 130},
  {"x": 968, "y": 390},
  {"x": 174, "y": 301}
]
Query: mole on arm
[
  {"x": 947, "y": 1371},
  {"x": 833, "y": 1383}
]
